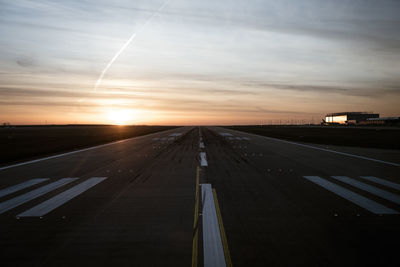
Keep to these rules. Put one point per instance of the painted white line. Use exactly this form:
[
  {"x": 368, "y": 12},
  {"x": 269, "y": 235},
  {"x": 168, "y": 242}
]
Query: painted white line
[
  {"x": 246, "y": 138},
  {"x": 225, "y": 134},
  {"x": 175, "y": 134},
  {"x": 231, "y": 138},
  {"x": 327, "y": 150},
  {"x": 202, "y": 144},
  {"x": 357, "y": 199},
  {"x": 60, "y": 199},
  {"x": 382, "y": 182},
  {"x": 212, "y": 243},
  {"x": 369, "y": 188},
  {"x": 75, "y": 151},
  {"x": 18, "y": 187},
  {"x": 14, "y": 202},
  {"x": 203, "y": 159}
]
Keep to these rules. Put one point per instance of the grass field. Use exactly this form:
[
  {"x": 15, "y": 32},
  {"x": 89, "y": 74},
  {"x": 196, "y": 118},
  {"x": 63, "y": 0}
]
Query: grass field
[
  {"x": 378, "y": 137},
  {"x": 27, "y": 142}
]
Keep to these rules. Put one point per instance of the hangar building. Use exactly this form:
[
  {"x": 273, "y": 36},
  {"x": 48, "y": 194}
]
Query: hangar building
[{"x": 349, "y": 117}]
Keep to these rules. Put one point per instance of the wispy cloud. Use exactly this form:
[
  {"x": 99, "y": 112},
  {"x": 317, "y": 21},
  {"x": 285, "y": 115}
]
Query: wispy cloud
[{"x": 211, "y": 59}]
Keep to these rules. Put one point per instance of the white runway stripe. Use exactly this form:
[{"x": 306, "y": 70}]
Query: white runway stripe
[
  {"x": 15, "y": 202},
  {"x": 369, "y": 188},
  {"x": 212, "y": 243},
  {"x": 203, "y": 159},
  {"x": 381, "y": 182},
  {"x": 18, "y": 187},
  {"x": 60, "y": 199},
  {"x": 323, "y": 149},
  {"x": 357, "y": 199},
  {"x": 202, "y": 144}
]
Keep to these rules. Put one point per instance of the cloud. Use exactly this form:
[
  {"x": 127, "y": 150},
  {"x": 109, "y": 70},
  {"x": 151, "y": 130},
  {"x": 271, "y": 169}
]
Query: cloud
[{"x": 25, "y": 62}]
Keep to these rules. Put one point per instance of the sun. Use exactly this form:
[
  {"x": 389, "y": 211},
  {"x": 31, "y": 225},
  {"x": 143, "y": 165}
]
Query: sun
[{"x": 120, "y": 116}]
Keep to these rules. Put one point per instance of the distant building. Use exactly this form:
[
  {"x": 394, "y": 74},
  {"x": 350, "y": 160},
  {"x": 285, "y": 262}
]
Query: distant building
[
  {"x": 382, "y": 121},
  {"x": 349, "y": 117}
]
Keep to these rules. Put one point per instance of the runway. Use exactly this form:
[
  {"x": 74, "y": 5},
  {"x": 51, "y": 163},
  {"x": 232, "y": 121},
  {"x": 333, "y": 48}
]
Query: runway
[{"x": 203, "y": 196}]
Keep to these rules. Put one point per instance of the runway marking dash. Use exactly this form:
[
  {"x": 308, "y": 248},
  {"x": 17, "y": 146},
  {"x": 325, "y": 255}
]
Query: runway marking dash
[
  {"x": 355, "y": 198},
  {"x": 381, "y": 182},
  {"x": 203, "y": 159},
  {"x": 15, "y": 202},
  {"x": 18, "y": 187},
  {"x": 60, "y": 199},
  {"x": 212, "y": 242},
  {"x": 369, "y": 188}
]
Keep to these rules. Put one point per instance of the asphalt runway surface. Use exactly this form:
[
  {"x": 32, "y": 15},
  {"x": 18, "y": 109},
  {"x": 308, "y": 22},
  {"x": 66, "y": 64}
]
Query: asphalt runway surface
[{"x": 203, "y": 196}]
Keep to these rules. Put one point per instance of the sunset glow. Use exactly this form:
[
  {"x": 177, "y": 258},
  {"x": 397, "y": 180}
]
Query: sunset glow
[
  {"x": 197, "y": 62},
  {"x": 120, "y": 117}
]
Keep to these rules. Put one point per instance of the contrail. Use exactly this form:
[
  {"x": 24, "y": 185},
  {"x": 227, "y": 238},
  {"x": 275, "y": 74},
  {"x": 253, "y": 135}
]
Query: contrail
[{"x": 126, "y": 44}]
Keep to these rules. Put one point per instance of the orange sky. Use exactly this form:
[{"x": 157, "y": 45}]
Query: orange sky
[{"x": 197, "y": 62}]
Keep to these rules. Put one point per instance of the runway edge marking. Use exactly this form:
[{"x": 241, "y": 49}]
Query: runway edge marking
[
  {"x": 77, "y": 151},
  {"x": 323, "y": 149}
]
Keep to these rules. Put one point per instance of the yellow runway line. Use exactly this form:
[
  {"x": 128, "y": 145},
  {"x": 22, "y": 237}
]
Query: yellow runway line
[
  {"x": 222, "y": 231},
  {"x": 196, "y": 221}
]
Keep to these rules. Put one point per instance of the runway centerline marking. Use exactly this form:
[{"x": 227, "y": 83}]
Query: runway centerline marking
[
  {"x": 60, "y": 199},
  {"x": 203, "y": 159},
  {"x": 212, "y": 243},
  {"x": 175, "y": 134},
  {"x": 19, "y": 200},
  {"x": 18, "y": 187},
  {"x": 202, "y": 145},
  {"x": 328, "y": 150},
  {"x": 381, "y": 182},
  {"x": 357, "y": 199},
  {"x": 369, "y": 188},
  {"x": 225, "y": 134}
]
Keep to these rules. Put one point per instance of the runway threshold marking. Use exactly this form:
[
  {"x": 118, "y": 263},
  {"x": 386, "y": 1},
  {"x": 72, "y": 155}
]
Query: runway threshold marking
[
  {"x": 369, "y": 188},
  {"x": 355, "y": 198},
  {"x": 18, "y": 187},
  {"x": 203, "y": 159},
  {"x": 19, "y": 200},
  {"x": 196, "y": 221},
  {"x": 212, "y": 243},
  {"x": 60, "y": 199},
  {"x": 381, "y": 182},
  {"x": 328, "y": 150}
]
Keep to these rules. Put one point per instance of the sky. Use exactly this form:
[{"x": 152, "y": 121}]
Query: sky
[{"x": 197, "y": 62}]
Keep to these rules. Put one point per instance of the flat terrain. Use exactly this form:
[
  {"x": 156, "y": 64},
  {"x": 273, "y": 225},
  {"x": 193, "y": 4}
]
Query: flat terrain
[
  {"x": 24, "y": 142},
  {"x": 282, "y": 203},
  {"x": 374, "y": 137}
]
